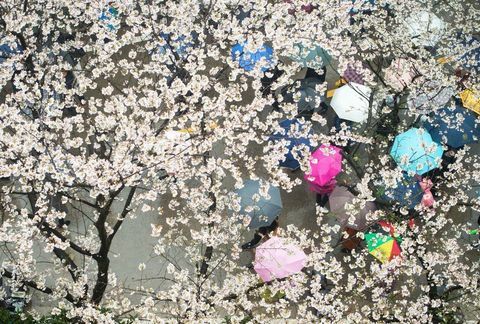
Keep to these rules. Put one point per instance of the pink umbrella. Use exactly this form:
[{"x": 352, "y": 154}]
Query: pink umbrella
[
  {"x": 276, "y": 259},
  {"x": 325, "y": 164},
  {"x": 400, "y": 73}
]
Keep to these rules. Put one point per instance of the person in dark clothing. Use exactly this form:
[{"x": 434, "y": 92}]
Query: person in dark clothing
[
  {"x": 322, "y": 199},
  {"x": 260, "y": 233},
  {"x": 311, "y": 73},
  {"x": 268, "y": 81}
]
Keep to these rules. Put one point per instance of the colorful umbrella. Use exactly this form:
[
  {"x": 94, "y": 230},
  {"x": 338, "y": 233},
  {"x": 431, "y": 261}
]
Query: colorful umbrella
[
  {"x": 292, "y": 133},
  {"x": 337, "y": 200},
  {"x": 325, "y": 164},
  {"x": 471, "y": 100},
  {"x": 454, "y": 127},
  {"x": 351, "y": 102},
  {"x": 406, "y": 192},
  {"x": 247, "y": 60},
  {"x": 314, "y": 57},
  {"x": 277, "y": 259},
  {"x": 262, "y": 211},
  {"x": 415, "y": 151},
  {"x": 382, "y": 243},
  {"x": 425, "y": 28}
]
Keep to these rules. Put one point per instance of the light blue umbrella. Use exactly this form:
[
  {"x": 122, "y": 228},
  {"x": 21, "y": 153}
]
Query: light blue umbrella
[
  {"x": 415, "y": 151},
  {"x": 314, "y": 57},
  {"x": 106, "y": 16},
  {"x": 290, "y": 128},
  {"x": 264, "y": 210},
  {"x": 248, "y": 60},
  {"x": 454, "y": 127}
]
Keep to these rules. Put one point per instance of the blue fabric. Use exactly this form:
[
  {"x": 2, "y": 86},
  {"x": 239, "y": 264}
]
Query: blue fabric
[
  {"x": 106, "y": 16},
  {"x": 248, "y": 60},
  {"x": 287, "y": 125},
  {"x": 416, "y": 144},
  {"x": 454, "y": 127},
  {"x": 408, "y": 193},
  {"x": 266, "y": 211},
  {"x": 6, "y": 51},
  {"x": 180, "y": 45},
  {"x": 471, "y": 59}
]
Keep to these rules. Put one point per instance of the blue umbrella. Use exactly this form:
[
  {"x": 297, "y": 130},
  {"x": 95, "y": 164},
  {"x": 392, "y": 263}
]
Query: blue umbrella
[
  {"x": 291, "y": 128},
  {"x": 248, "y": 60},
  {"x": 454, "y": 127},
  {"x": 265, "y": 211},
  {"x": 7, "y": 51},
  {"x": 106, "y": 16},
  {"x": 415, "y": 151},
  {"x": 178, "y": 45},
  {"x": 470, "y": 60},
  {"x": 407, "y": 193}
]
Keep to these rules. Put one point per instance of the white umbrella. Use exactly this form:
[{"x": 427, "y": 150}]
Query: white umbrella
[
  {"x": 425, "y": 28},
  {"x": 351, "y": 102}
]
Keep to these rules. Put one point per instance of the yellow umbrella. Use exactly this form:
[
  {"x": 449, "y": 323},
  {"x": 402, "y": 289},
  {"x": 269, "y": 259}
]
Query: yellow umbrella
[{"x": 471, "y": 100}]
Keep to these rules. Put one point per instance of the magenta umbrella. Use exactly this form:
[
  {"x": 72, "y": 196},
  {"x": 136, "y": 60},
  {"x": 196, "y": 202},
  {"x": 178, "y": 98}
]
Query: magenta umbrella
[
  {"x": 276, "y": 259},
  {"x": 325, "y": 164}
]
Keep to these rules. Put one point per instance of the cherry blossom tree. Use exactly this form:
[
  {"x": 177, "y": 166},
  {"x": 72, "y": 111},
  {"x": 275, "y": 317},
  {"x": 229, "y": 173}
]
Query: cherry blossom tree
[{"x": 113, "y": 109}]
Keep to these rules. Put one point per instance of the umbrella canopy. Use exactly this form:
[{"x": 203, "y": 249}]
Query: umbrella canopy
[
  {"x": 400, "y": 73},
  {"x": 261, "y": 210},
  {"x": 406, "y": 192},
  {"x": 337, "y": 200},
  {"x": 471, "y": 100},
  {"x": 7, "y": 51},
  {"x": 425, "y": 28},
  {"x": 415, "y": 151},
  {"x": 353, "y": 75},
  {"x": 431, "y": 95},
  {"x": 382, "y": 242},
  {"x": 292, "y": 131},
  {"x": 276, "y": 259},
  {"x": 470, "y": 58},
  {"x": 454, "y": 127},
  {"x": 176, "y": 45},
  {"x": 325, "y": 164},
  {"x": 108, "y": 16},
  {"x": 306, "y": 97},
  {"x": 314, "y": 57},
  {"x": 351, "y": 102},
  {"x": 247, "y": 60}
]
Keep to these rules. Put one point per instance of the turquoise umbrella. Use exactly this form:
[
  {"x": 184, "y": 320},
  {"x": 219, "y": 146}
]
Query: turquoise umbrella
[
  {"x": 314, "y": 57},
  {"x": 415, "y": 151}
]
